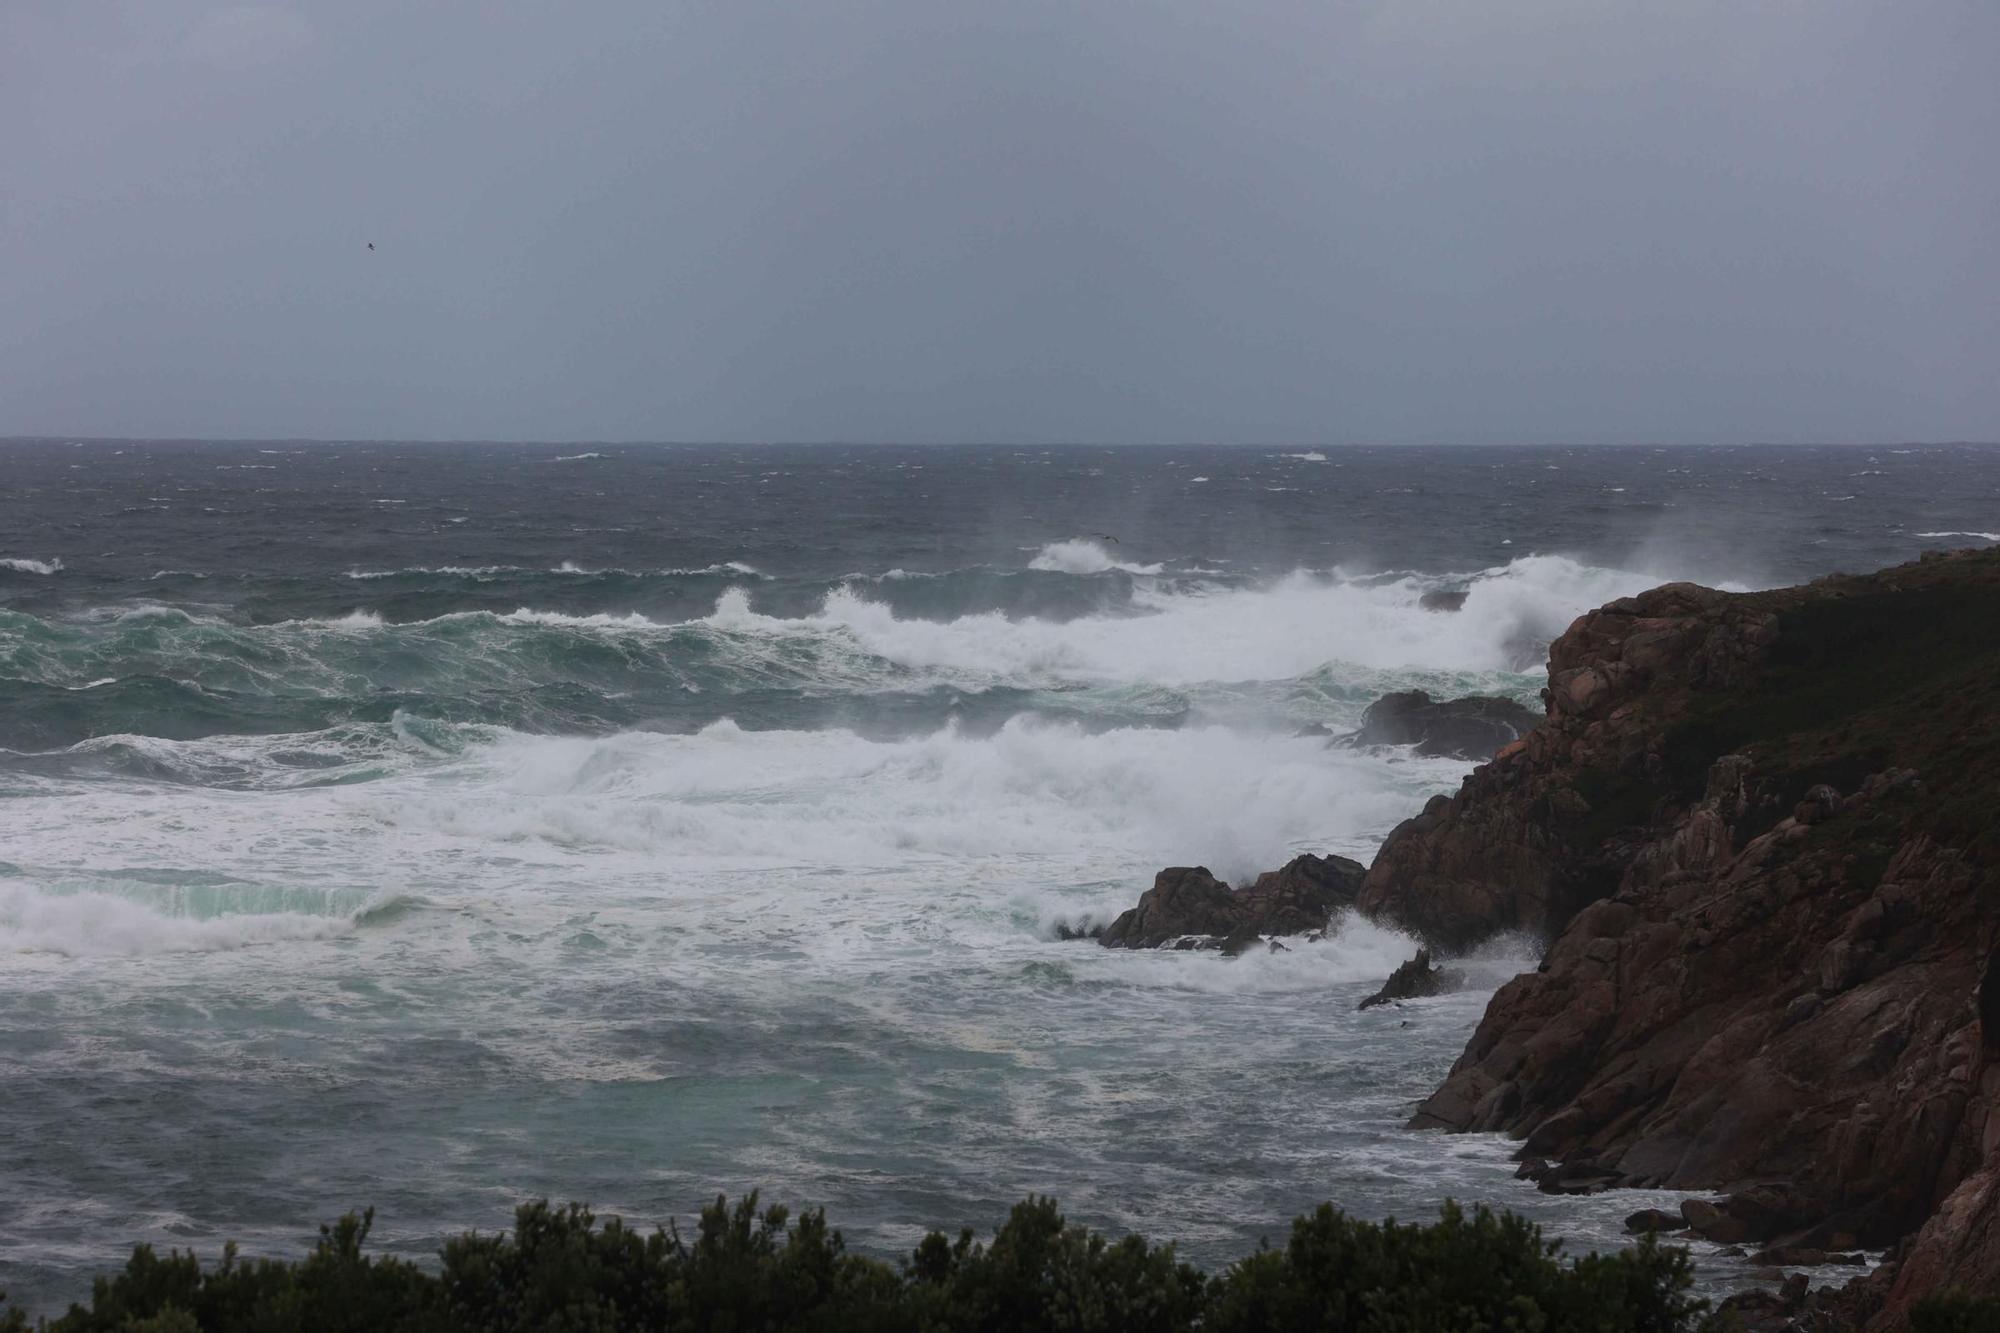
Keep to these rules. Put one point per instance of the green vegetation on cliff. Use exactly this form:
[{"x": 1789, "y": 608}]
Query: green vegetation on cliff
[{"x": 747, "y": 1269}]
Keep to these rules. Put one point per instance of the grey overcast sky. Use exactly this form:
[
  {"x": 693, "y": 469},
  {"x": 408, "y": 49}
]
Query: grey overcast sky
[{"x": 1092, "y": 220}]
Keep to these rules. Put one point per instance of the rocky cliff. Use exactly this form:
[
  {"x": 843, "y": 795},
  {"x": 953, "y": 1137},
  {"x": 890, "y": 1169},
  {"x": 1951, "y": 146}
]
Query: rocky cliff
[{"x": 1762, "y": 833}]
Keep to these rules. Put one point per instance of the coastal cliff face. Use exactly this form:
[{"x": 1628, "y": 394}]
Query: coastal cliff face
[{"x": 1763, "y": 834}]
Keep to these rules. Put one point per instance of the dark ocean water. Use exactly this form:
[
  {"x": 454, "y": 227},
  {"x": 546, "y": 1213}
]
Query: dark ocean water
[{"x": 433, "y": 826}]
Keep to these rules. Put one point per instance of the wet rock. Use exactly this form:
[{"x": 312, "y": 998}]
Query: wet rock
[
  {"x": 1711, "y": 1223},
  {"x": 1189, "y": 908},
  {"x": 1789, "y": 1256},
  {"x": 1576, "y": 1178},
  {"x": 1470, "y": 728},
  {"x": 1415, "y": 980},
  {"x": 1184, "y": 901},
  {"x": 1301, "y": 896},
  {"x": 1443, "y": 599},
  {"x": 1653, "y": 1219},
  {"x": 1755, "y": 1312}
]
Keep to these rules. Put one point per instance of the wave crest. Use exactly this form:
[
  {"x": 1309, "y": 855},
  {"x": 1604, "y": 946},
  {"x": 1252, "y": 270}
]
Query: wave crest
[{"x": 1081, "y": 556}]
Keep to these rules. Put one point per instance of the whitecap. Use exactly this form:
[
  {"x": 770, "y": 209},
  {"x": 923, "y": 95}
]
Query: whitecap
[
  {"x": 1081, "y": 556},
  {"x": 24, "y": 566}
]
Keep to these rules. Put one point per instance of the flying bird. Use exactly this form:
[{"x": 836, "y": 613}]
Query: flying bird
[
  {"x": 371, "y": 245},
  {"x": 1107, "y": 537}
]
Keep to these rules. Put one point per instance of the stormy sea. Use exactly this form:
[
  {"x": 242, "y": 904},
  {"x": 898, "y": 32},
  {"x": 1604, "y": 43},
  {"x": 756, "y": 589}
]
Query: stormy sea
[{"x": 434, "y": 827}]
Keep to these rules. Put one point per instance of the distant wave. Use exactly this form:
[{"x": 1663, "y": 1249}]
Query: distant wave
[
  {"x": 573, "y": 458},
  {"x": 567, "y": 567},
  {"x": 447, "y": 571},
  {"x": 1309, "y": 456},
  {"x": 32, "y": 566},
  {"x": 1983, "y": 536}
]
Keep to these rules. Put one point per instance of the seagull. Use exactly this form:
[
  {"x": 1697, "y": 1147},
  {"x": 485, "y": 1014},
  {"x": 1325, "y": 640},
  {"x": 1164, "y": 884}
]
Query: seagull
[
  {"x": 1107, "y": 537},
  {"x": 371, "y": 245}
]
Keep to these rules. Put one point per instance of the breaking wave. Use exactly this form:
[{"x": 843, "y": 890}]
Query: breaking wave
[
  {"x": 1164, "y": 648},
  {"x": 141, "y": 919}
]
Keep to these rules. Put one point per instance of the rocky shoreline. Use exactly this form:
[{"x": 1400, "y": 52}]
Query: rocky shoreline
[{"x": 1761, "y": 835}]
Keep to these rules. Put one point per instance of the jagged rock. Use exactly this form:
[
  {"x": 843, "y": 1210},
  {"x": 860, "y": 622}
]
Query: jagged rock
[
  {"x": 1443, "y": 599},
  {"x": 1751, "y": 977},
  {"x": 1184, "y": 900},
  {"x": 1414, "y": 980},
  {"x": 1190, "y": 908},
  {"x": 1085, "y": 929},
  {"x": 1302, "y": 895},
  {"x": 1470, "y": 728}
]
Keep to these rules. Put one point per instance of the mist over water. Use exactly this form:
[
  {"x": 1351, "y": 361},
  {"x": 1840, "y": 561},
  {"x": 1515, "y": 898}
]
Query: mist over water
[{"x": 433, "y": 827}]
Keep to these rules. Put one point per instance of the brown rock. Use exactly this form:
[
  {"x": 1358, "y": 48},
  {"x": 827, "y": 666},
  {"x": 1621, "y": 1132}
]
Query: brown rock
[
  {"x": 1184, "y": 900},
  {"x": 1752, "y": 982},
  {"x": 1190, "y": 908},
  {"x": 1711, "y": 1223}
]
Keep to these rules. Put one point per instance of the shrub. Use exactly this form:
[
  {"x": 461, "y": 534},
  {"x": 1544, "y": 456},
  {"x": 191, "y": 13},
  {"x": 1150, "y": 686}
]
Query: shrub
[
  {"x": 752, "y": 1270},
  {"x": 1956, "y": 1312}
]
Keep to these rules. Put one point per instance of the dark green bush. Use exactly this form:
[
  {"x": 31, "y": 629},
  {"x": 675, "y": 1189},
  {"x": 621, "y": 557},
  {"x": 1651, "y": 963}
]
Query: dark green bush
[
  {"x": 1956, "y": 1312},
  {"x": 751, "y": 1271}
]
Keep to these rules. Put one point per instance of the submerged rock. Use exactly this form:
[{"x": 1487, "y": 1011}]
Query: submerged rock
[
  {"x": 1443, "y": 599},
  {"x": 1474, "y": 727}
]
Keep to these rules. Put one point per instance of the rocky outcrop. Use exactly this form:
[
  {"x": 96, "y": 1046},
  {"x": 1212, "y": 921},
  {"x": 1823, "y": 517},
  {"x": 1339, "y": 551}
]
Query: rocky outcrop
[
  {"x": 1470, "y": 728},
  {"x": 1762, "y": 835},
  {"x": 1413, "y": 981},
  {"x": 1522, "y": 845},
  {"x": 1188, "y": 904}
]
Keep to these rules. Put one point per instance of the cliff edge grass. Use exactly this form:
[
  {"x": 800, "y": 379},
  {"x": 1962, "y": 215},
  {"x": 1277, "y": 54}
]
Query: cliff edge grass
[{"x": 1762, "y": 832}]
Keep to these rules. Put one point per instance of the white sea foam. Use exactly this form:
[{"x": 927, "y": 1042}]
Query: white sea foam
[
  {"x": 1080, "y": 556},
  {"x": 23, "y": 566},
  {"x": 726, "y": 796},
  {"x": 574, "y": 458},
  {"x": 1983, "y": 536},
  {"x": 1205, "y": 633},
  {"x": 1309, "y": 456}
]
